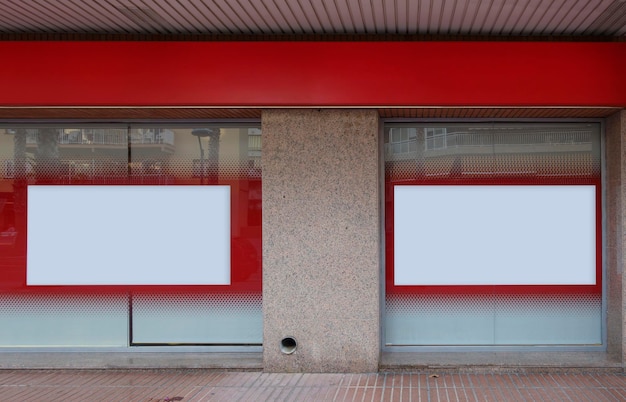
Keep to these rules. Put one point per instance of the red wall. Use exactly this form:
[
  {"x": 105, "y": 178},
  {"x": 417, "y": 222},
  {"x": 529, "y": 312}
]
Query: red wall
[{"x": 312, "y": 74}]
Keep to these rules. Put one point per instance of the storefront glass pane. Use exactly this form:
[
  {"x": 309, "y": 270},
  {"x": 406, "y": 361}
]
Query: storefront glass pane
[
  {"x": 493, "y": 235},
  {"x": 220, "y": 157},
  {"x": 126, "y": 232}
]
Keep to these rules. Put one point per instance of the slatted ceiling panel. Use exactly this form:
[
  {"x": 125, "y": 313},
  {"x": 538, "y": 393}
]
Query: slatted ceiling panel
[
  {"x": 372, "y": 13},
  {"x": 9, "y": 22},
  {"x": 593, "y": 16},
  {"x": 13, "y": 17},
  {"x": 587, "y": 23},
  {"x": 224, "y": 23},
  {"x": 322, "y": 16},
  {"x": 350, "y": 15},
  {"x": 566, "y": 16},
  {"x": 408, "y": 14},
  {"x": 202, "y": 113},
  {"x": 435, "y": 16},
  {"x": 612, "y": 19},
  {"x": 341, "y": 15},
  {"x": 319, "y": 14},
  {"x": 203, "y": 18},
  {"x": 461, "y": 9},
  {"x": 424, "y": 12},
  {"x": 451, "y": 13},
  {"x": 186, "y": 16},
  {"x": 537, "y": 22},
  {"x": 364, "y": 14},
  {"x": 77, "y": 17},
  {"x": 284, "y": 17},
  {"x": 554, "y": 17},
  {"x": 295, "y": 14},
  {"x": 501, "y": 16},
  {"x": 248, "y": 14},
  {"x": 353, "y": 15},
  {"x": 390, "y": 16},
  {"x": 554, "y": 14},
  {"x": 495, "y": 113},
  {"x": 267, "y": 17},
  {"x": 514, "y": 18},
  {"x": 232, "y": 23},
  {"x": 128, "y": 113},
  {"x": 520, "y": 15},
  {"x": 268, "y": 13},
  {"x": 108, "y": 18}
]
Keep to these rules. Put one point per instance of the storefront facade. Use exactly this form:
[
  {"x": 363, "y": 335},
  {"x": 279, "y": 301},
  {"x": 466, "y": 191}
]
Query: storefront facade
[{"x": 383, "y": 212}]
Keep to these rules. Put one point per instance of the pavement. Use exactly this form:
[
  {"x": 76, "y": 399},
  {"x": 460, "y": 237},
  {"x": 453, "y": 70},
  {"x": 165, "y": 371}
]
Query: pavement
[{"x": 210, "y": 385}]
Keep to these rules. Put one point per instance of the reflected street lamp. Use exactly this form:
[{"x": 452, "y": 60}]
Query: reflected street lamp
[{"x": 213, "y": 134}]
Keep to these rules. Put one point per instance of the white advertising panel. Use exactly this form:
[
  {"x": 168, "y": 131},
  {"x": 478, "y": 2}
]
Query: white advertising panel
[
  {"x": 128, "y": 235},
  {"x": 494, "y": 235}
]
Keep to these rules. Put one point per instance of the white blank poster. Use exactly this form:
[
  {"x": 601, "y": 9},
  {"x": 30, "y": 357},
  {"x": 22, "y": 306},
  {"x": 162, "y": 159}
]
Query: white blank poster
[
  {"x": 128, "y": 235},
  {"x": 494, "y": 235}
]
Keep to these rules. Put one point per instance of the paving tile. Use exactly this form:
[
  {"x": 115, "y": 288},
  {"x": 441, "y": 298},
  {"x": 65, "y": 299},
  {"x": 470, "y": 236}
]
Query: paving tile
[{"x": 199, "y": 385}]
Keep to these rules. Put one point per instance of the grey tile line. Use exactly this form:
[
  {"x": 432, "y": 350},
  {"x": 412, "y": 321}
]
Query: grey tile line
[
  {"x": 382, "y": 393},
  {"x": 560, "y": 386},
  {"x": 339, "y": 387}
]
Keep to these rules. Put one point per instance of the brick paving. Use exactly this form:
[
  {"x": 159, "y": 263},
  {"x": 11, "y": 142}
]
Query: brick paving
[{"x": 204, "y": 385}]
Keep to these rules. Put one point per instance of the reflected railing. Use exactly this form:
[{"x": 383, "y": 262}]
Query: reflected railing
[
  {"x": 106, "y": 136},
  {"x": 467, "y": 139}
]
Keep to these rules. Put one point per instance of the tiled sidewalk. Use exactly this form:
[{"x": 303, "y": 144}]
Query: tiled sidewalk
[{"x": 200, "y": 385}]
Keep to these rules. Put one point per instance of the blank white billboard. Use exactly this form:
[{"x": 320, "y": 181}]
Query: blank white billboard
[
  {"x": 494, "y": 235},
  {"x": 128, "y": 235}
]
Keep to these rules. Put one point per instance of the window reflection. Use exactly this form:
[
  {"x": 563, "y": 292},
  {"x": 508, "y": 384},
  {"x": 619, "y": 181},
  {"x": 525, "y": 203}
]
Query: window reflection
[
  {"x": 129, "y": 155},
  {"x": 505, "y": 149}
]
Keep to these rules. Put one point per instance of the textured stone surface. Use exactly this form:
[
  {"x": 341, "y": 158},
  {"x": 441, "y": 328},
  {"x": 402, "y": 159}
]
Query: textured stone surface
[
  {"x": 321, "y": 271},
  {"x": 136, "y": 359},
  {"x": 615, "y": 171}
]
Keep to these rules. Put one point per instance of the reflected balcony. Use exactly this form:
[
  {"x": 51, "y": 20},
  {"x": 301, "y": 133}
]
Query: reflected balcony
[{"x": 74, "y": 142}]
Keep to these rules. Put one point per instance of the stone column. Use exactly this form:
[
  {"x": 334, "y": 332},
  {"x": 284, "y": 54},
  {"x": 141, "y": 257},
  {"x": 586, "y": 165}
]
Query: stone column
[
  {"x": 321, "y": 240},
  {"x": 615, "y": 241}
]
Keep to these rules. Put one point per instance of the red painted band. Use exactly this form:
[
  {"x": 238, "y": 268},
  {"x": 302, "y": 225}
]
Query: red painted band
[{"x": 333, "y": 74}]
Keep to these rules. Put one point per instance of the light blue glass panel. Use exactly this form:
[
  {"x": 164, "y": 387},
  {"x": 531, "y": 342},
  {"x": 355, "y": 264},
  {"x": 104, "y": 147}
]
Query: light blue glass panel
[
  {"x": 549, "y": 320},
  {"x": 63, "y": 320},
  {"x": 503, "y": 320},
  {"x": 199, "y": 319},
  {"x": 439, "y": 320}
]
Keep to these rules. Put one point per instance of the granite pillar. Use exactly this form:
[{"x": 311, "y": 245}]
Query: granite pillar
[
  {"x": 615, "y": 241},
  {"x": 321, "y": 240}
]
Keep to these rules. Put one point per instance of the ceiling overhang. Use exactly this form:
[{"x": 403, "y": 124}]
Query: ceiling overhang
[
  {"x": 496, "y": 18},
  {"x": 97, "y": 114}
]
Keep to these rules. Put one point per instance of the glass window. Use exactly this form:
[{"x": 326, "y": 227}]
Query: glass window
[
  {"x": 141, "y": 187},
  {"x": 494, "y": 234}
]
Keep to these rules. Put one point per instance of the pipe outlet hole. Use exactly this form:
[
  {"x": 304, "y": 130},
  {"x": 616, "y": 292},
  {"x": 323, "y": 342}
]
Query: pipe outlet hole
[{"x": 288, "y": 345}]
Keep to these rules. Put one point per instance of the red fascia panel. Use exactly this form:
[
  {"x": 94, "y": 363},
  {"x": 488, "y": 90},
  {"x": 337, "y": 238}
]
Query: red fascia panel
[{"x": 311, "y": 74}]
